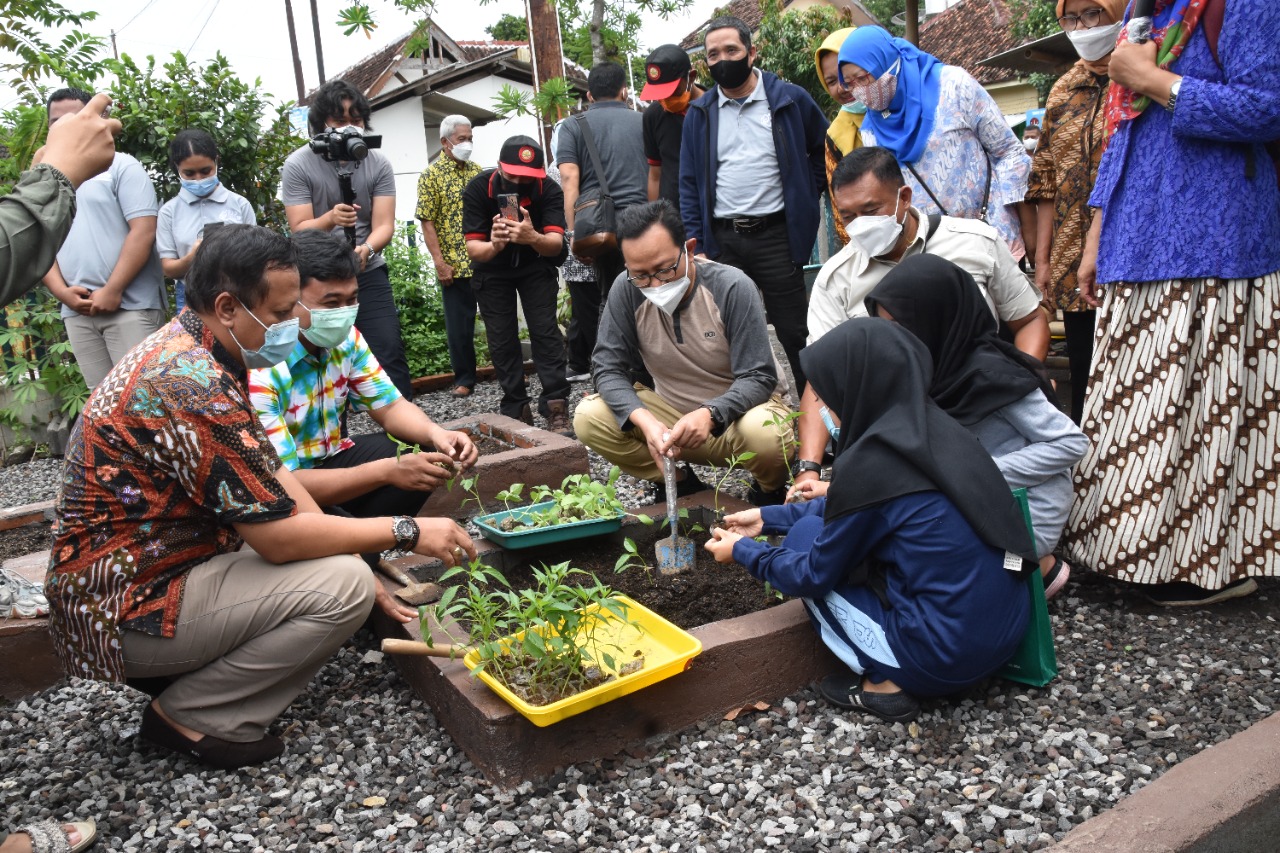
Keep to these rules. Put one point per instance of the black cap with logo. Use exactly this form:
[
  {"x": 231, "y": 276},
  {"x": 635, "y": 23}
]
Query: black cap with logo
[
  {"x": 663, "y": 71},
  {"x": 521, "y": 155}
]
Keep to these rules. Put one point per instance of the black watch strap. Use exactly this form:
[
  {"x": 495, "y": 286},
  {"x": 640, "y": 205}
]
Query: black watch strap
[{"x": 803, "y": 465}]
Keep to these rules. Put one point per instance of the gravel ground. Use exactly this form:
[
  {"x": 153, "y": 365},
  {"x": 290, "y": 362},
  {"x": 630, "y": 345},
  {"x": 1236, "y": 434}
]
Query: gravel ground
[
  {"x": 368, "y": 768},
  {"x": 1003, "y": 767}
]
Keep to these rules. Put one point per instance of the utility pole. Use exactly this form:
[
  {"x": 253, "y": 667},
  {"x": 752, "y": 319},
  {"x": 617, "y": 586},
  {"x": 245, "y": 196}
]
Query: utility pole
[
  {"x": 293, "y": 45},
  {"x": 315, "y": 26},
  {"x": 544, "y": 45},
  {"x": 115, "y": 53},
  {"x": 913, "y": 21}
]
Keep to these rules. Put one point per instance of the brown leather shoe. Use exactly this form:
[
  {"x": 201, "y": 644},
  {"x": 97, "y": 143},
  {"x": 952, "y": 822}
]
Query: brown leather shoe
[
  {"x": 558, "y": 417},
  {"x": 526, "y": 414}
]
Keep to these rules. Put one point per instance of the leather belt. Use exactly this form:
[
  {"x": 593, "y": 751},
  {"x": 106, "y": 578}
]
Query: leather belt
[{"x": 751, "y": 224}]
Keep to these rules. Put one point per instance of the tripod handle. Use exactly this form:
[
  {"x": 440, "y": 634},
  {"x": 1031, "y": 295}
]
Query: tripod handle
[{"x": 348, "y": 197}]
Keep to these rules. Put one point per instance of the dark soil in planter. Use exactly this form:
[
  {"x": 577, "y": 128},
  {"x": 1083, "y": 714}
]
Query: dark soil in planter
[
  {"x": 706, "y": 593},
  {"x": 24, "y": 540},
  {"x": 487, "y": 445}
]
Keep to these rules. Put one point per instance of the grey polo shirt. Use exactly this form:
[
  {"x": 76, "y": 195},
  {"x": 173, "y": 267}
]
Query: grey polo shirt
[
  {"x": 748, "y": 180},
  {"x": 619, "y": 135},
  {"x": 183, "y": 218},
  {"x": 104, "y": 207},
  {"x": 308, "y": 178}
]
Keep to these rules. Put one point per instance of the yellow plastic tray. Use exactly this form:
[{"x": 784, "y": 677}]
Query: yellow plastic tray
[{"x": 667, "y": 651}]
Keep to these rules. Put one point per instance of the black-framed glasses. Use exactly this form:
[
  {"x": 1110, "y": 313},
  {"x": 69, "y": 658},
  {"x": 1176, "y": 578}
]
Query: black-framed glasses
[
  {"x": 666, "y": 275},
  {"x": 1089, "y": 18}
]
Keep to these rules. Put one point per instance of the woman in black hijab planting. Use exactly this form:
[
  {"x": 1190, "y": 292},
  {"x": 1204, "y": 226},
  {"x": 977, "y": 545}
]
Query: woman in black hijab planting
[
  {"x": 997, "y": 392},
  {"x": 912, "y": 565}
]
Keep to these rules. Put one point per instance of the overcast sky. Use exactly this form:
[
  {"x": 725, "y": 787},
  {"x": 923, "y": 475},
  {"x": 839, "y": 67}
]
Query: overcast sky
[{"x": 254, "y": 36}]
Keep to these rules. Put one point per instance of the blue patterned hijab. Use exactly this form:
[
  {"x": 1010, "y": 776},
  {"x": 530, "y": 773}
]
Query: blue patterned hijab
[{"x": 906, "y": 129}]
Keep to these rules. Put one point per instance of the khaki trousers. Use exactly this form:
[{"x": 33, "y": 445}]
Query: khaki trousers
[
  {"x": 597, "y": 428},
  {"x": 250, "y": 636}
]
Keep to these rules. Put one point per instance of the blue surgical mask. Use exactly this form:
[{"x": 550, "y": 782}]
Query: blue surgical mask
[
  {"x": 832, "y": 429},
  {"x": 203, "y": 187},
  {"x": 330, "y": 326},
  {"x": 857, "y": 108},
  {"x": 279, "y": 341}
]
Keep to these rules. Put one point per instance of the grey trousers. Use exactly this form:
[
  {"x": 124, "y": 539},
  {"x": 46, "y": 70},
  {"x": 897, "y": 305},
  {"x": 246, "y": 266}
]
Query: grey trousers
[
  {"x": 99, "y": 342},
  {"x": 250, "y": 635}
]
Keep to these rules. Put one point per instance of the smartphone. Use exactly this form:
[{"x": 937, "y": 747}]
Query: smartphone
[{"x": 510, "y": 206}]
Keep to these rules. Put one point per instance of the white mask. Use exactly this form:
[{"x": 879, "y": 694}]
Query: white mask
[
  {"x": 1096, "y": 42},
  {"x": 876, "y": 235},
  {"x": 667, "y": 296},
  {"x": 462, "y": 151},
  {"x": 1030, "y": 145}
]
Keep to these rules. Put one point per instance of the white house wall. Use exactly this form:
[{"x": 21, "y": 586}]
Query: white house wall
[{"x": 411, "y": 135}]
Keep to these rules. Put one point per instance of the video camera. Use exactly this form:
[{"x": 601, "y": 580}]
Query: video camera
[{"x": 345, "y": 143}]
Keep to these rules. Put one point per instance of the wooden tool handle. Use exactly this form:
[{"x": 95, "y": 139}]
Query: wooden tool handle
[
  {"x": 412, "y": 647},
  {"x": 395, "y": 573}
]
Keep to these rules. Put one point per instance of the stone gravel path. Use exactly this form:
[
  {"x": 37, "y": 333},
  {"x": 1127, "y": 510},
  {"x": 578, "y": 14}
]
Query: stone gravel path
[{"x": 1003, "y": 767}]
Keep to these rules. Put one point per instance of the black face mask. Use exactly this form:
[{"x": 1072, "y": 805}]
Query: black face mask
[{"x": 731, "y": 73}]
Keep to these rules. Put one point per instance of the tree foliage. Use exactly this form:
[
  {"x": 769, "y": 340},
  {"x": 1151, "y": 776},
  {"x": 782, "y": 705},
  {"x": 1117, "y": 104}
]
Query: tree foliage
[
  {"x": 884, "y": 12},
  {"x": 787, "y": 40},
  {"x": 254, "y": 137},
  {"x": 1032, "y": 19},
  {"x": 36, "y": 61},
  {"x": 509, "y": 28}
]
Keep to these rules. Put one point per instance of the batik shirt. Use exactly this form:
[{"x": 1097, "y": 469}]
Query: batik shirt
[
  {"x": 440, "y": 189},
  {"x": 301, "y": 400},
  {"x": 970, "y": 141},
  {"x": 1063, "y": 172},
  {"x": 166, "y": 457}
]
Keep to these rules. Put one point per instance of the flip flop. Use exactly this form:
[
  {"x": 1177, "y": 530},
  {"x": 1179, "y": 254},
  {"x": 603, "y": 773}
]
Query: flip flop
[{"x": 47, "y": 836}]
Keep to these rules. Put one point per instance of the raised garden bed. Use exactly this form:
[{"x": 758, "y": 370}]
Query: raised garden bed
[{"x": 763, "y": 655}]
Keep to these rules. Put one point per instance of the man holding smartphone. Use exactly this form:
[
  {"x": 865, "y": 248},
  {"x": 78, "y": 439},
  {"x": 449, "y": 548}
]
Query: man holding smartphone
[{"x": 513, "y": 222}]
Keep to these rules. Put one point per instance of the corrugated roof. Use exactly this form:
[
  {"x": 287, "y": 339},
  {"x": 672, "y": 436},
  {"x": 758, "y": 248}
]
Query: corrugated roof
[{"x": 968, "y": 33}]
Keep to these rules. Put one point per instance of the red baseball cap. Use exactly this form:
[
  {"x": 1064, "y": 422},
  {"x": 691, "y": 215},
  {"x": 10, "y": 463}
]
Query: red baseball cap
[
  {"x": 521, "y": 155},
  {"x": 663, "y": 71}
]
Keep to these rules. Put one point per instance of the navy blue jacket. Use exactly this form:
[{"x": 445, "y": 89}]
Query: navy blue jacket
[{"x": 799, "y": 133}]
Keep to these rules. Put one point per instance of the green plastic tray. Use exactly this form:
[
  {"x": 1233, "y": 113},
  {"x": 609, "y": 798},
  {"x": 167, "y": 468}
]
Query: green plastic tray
[{"x": 490, "y": 526}]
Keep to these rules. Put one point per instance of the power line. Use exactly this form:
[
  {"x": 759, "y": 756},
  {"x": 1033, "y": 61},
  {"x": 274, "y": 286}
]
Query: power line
[
  {"x": 136, "y": 16},
  {"x": 202, "y": 26}
]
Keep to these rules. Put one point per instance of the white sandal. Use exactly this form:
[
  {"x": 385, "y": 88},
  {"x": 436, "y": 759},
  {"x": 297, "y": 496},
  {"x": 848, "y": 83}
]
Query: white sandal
[
  {"x": 28, "y": 600},
  {"x": 47, "y": 836}
]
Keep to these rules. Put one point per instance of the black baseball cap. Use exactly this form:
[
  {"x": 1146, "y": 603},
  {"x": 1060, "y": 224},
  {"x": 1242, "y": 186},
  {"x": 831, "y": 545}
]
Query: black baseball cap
[
  {"x": 522, "y": 155},
  {"x": 663, "y": 71}
]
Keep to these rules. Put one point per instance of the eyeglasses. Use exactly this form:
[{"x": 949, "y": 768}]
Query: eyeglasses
[
  {"x": 1089, "y": 18},
  {"x": 666, "y": 275}
]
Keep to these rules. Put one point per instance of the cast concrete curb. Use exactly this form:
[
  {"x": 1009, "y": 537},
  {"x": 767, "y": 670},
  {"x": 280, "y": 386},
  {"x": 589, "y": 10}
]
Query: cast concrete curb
[{"x": 1225, "y": 798}]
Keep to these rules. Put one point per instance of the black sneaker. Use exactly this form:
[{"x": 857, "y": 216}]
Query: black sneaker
[
  {"x": 758, "y": 497},
  {"x": 846, "y": 691},
  {"x": 1183, "y": 594},
  {"x": 214, "y": 751}
]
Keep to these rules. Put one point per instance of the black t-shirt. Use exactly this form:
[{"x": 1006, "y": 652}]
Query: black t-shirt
[
  {"x": 542, "y": 199},
  {"x": 662, "y": 133}
]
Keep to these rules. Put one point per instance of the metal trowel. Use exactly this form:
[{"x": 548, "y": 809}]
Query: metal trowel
[
  {"x": 675, "y": 553},
  {"x": 413, "y": 592}
]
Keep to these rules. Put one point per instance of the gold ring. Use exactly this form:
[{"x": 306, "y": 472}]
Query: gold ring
[{"x": 458, "y": 552}]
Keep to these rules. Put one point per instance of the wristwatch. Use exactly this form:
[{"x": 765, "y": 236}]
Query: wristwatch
[
  {"x": 717, "y": 422},
  {"x": 803, "y": 465},
  {"x": 370, "y": 248},
  {"x": 406, "y": 531},
  {"x": 1174, "y": 89}
]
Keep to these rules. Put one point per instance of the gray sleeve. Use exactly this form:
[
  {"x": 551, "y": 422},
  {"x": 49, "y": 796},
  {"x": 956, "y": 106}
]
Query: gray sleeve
[
  {"x": 135, "y": 192},
  {"x": 34, "y": 220},
  {"x": 567, "y": 147},
  {"x": 166, "y": 244},
  {"x": 1054, "y": 443},
  {"x": 295, "y": 189},
  {"x": 384, "y": 180},
  {"x": 750, "y": 355},
  {"x": 617, "y": 349}
]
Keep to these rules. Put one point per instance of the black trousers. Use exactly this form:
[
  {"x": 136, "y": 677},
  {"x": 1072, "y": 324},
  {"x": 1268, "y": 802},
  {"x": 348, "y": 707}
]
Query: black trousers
[
  {"x": 382, "y": 501},
  {"x": 765, "y": 256},
  {"x": 1079, "y": 326},
  {"x": 587, "y": 298},
  {"x": 460, "y": 329},
  {"x": 379, "y": 323},
  {"x": 496, "y": 299}
]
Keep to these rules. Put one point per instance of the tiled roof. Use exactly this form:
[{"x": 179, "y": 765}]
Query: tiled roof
[
  {"x": 969, "y": 32},
  {"x": 750, "y": 11}
]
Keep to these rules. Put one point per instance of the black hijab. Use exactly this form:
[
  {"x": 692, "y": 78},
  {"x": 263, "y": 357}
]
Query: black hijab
[
  {"x": 894, "y": 440},
  {"x": 975, "y": 373}
]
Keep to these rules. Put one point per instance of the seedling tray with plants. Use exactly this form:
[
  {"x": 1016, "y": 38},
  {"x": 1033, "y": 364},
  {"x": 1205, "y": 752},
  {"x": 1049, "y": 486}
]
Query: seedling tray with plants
[{"x": 581, "y": 507}]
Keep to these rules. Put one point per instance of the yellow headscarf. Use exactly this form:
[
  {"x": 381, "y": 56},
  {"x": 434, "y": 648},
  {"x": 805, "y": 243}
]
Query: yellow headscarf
[
  {"x": 1114, "y": 8},
  {"x": 844, "y": 129}
]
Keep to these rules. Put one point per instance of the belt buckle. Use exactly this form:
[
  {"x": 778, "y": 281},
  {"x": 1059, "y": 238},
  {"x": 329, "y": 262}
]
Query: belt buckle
[{"x": 747, "y": 224}]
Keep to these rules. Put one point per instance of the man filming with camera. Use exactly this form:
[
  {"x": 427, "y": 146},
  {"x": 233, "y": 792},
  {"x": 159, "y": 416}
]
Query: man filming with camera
[{"x": 339, "y": 182}]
